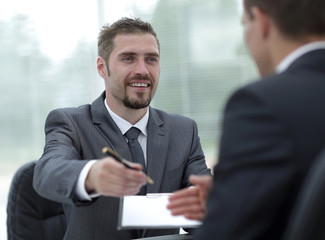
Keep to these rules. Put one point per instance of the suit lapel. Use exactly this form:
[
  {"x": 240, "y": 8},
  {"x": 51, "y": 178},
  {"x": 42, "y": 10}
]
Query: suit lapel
[
  {"x": 156, "y": 150},
  {"x": 107, "y": 127},
  {"x": 156, "y": 140}
]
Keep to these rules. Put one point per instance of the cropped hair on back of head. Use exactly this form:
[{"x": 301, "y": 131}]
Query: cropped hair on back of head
[
  {"x": 294, "y": 18},
  {"x": 123, "y": 26}
]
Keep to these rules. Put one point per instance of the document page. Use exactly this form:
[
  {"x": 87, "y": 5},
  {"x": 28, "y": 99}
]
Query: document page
[{"x": 150, "y": 212}]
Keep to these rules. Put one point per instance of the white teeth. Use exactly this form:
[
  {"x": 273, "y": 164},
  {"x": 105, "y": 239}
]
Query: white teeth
[{"x": 139, "y": 85}]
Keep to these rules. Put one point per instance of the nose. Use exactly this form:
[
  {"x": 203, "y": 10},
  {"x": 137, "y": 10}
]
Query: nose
[{"x": 141, "y": 68}]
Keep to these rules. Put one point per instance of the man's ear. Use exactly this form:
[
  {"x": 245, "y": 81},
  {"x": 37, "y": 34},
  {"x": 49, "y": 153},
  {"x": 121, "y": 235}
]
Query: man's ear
[
  {"x": 101, "y": 67},
  {"x": 263, "y": 21}
]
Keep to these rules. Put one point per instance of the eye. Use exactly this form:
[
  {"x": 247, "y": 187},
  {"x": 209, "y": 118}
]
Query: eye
[
  {"x": 152, "y": 59},
  {"x": 128, "y": 59}
]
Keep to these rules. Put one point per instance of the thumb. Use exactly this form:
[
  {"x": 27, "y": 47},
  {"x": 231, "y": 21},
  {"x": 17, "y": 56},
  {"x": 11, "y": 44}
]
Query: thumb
[{"x": 200, "y": 180}]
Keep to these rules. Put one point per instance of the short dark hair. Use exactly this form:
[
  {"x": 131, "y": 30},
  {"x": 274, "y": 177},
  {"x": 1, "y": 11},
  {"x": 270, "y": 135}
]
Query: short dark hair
[
  {"x": 122, "y": 26},
  {"x": 294, "y": 18}
]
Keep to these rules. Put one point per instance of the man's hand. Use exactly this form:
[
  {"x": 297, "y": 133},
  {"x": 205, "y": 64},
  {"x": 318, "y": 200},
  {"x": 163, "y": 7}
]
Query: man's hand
[
  {"x": 191, "y": 202},
  {"x": 111, "y": 178}
]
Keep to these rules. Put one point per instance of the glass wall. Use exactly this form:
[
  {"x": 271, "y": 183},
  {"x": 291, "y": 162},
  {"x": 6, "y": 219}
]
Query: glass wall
[{"x": 48, "y": 52}]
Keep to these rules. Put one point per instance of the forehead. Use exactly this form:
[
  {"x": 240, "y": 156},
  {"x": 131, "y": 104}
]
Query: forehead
[{"x": 136, "y": 43}]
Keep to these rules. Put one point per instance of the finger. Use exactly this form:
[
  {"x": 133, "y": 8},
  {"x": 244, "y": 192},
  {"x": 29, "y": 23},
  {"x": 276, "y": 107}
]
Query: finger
[
  {"x": 110, "y": 163},
  {"x": 135, "y": 177},
  {"x": 183, "y": 203},
  {"x": 184, "y": 193},
  {"x": 134, "y": 174},
  {"x": 119, "y": 180},
  {"x": 120, "y": 171},
  {"x": 136, "y": 166},
  {"x": 193, "y": 209},
  {"x": 195, "y": 216},
  {"x": 119, "y": 189},
  {"x": 125, "y": 185},
  {"x": 204, "y": 184},
  {"x": 127, "y": 191},
  {"x": 204, "y": 180}
]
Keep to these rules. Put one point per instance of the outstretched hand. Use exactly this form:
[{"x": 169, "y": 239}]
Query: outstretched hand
[
  {"x": 111, "y": 178},
  {"x": 191, "y": 202}
]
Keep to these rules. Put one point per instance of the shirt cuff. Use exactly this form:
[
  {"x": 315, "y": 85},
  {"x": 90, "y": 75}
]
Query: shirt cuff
[{"x": 80, "y": 188}]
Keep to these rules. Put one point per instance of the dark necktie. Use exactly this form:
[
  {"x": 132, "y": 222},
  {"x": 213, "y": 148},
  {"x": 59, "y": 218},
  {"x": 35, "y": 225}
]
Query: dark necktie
[{"x": 136, "y": 151}]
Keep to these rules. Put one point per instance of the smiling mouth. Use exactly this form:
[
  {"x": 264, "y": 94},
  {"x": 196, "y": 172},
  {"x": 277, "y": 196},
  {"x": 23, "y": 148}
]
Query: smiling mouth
[{"x": 144, "y": 85}]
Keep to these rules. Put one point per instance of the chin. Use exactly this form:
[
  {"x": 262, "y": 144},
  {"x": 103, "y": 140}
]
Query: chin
[{"x": 134, "y": 104}]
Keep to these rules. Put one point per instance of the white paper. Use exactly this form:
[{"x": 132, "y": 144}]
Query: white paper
[{"x": 150, "y": 212}]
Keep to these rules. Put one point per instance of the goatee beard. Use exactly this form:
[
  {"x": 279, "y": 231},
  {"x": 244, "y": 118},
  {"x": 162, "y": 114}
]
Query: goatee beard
[{"x": 136, "y": 104}]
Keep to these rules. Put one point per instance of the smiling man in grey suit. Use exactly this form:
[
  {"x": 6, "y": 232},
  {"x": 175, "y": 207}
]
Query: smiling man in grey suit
[
  {"x": 273, "y": 129},
  {"x": 70, "y": 171}
]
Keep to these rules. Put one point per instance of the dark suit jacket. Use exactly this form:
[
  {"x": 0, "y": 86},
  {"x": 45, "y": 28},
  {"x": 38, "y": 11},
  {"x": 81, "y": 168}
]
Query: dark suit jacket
[
  {"x": 76, "y": 135},
  {"x": 273, "y": 130}
]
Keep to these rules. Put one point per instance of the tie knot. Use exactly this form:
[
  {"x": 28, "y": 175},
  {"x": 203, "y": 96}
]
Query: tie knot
[{"x": 132, "y": 133}]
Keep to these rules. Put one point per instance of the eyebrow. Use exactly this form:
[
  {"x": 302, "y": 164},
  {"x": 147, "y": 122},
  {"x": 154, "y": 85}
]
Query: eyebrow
[{"x": 153, "y": 54}]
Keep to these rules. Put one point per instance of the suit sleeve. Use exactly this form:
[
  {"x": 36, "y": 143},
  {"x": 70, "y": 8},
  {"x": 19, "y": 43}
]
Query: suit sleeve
[
  {"x": 57, "y": 171},
  {"x": 196, "y": 164},
  {"x": 253, "y": 174}
]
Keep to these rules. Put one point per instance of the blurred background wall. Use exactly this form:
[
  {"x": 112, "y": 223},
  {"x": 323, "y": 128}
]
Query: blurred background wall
[{"x": 48, "y": 52}]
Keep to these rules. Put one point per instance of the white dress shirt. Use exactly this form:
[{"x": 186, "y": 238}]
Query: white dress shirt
[
  {"x": 293, "y": 56},
  {"x": 124, "y": 126}
]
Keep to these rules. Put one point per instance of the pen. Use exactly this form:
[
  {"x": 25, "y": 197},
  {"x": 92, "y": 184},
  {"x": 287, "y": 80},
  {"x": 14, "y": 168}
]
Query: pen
[{"x": 110, "y": 152}]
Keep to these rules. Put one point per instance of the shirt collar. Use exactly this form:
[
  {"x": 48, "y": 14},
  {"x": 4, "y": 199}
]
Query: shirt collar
[
  {"x": 124, "y": 125},
  {"x": 289, "y": 59}
]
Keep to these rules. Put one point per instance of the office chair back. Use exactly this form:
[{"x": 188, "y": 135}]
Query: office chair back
[
  {"x": 308, "y": 218},
  {"x": 30, "y": 216}
]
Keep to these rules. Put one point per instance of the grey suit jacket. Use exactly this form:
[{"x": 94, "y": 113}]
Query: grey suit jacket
[{"x": 76, "y": 135}]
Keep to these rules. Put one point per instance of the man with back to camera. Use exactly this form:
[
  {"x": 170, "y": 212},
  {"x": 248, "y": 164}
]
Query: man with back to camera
[
  {"x": 69, "y": 171},
  {"x": 273, "y": 129}
]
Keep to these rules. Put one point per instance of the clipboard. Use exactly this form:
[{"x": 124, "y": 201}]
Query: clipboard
[{"x": 150, "y": 211}]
